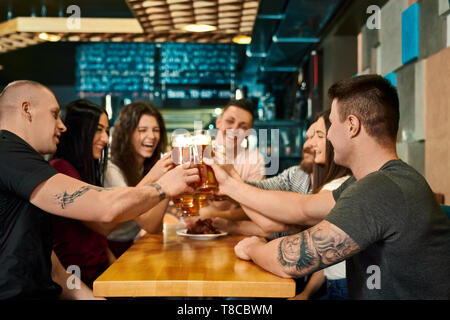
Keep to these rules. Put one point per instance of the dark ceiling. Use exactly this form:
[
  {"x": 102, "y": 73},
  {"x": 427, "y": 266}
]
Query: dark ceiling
[
  {"x": 57, "y": 8},
  {"x": 38, "y": 62},
  {"x": 283, "y": 33}
]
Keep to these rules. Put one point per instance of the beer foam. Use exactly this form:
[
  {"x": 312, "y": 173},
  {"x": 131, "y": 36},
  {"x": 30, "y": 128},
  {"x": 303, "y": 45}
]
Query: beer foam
[
  {"x": 181, "y": 141},
  {"x": 201, "y": 139}
]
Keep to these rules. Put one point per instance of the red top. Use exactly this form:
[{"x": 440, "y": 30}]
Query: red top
[{"x": 76, "y": 244}]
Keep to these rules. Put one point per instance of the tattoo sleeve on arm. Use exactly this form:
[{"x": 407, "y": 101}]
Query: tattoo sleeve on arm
[
  {"x": 316, "y": 248},
  {"x": 65, "y": 198},
  {"x": 292, "y": 247}
]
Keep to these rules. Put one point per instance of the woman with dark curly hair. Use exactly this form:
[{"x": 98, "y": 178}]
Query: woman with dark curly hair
[{"x": 139, "y": 139}]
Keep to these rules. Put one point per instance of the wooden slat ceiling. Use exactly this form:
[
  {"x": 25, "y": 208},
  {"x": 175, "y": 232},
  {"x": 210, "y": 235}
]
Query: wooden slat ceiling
[
  {"x": 165, "y": 19},
  {"x": 156, "y": 21},
  {"x": 17, "y": 40},
  {"x": 230, "y": 17}
]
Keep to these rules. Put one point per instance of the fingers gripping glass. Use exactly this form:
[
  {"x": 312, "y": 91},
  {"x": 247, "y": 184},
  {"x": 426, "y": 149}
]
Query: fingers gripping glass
[{"x": 191, "y": 148}]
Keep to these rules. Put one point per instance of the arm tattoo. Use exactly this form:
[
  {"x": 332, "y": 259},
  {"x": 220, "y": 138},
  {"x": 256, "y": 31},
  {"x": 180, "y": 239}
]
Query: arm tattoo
[
  {"x": 316, "y": 248},
  {"x": 162, "y": 194},
  {"x": 291, "y": 247},
  {"x": 66, "y": 198}
]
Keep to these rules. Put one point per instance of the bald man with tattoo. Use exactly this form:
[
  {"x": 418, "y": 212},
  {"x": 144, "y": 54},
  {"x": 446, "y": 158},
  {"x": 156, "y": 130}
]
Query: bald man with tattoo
[
  {"x": 30, "y": 190},
  {"x": 384, "y": 221}
]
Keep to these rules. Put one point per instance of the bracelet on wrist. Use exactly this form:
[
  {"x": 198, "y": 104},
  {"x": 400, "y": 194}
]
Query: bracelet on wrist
[{"x": 162, "y": 194}]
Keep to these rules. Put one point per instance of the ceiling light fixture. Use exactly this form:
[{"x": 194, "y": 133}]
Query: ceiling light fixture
[
  {"x": 49, "y": 37},
  {"x": 242, "y": 39},
  {"x": 199, "y": 28}
]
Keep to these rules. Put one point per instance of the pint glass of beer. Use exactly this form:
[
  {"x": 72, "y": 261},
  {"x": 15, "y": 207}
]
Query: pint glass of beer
[
  {"x": 181, "y": 153},
  {"x": 181, "y": 147},
  {"x": 192, "y": 148},
  {"x": 202, "y": 147}
]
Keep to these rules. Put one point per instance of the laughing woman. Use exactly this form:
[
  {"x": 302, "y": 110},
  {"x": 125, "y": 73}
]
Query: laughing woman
[{"x": 138, "y": 140}]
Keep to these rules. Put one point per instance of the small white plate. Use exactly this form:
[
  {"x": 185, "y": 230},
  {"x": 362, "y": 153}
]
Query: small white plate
[{"x": 183, "y": 232}]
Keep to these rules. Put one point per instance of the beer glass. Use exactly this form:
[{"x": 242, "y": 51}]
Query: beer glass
[
  {"x": 181, "y": 147},
  {"x": 181, "y": 153},
  {"x": 192, "y": 148},
  {"x": 202, "y": 147},
  {"x": 187, "y": 204}
]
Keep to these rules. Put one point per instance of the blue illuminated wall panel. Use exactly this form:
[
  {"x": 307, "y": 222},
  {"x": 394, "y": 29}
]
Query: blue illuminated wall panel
[
  {"x": 196, "y": 64},
  {"x": 410, "y": 33},
  {"x": 392, "y": 78},
  {"x": 115, "y": 67},
  {"x": 147, "y": 70}
]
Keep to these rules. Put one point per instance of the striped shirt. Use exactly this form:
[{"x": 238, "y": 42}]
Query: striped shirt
[{"x": 292, "y": 179}]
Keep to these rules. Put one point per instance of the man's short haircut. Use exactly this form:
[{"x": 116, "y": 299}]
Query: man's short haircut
[
  {"x": 5, "y": 97},
  {"x": 241, "y": 103},
  {"x": 373, "y": 100},
  {"x": 20, "y": 83}
]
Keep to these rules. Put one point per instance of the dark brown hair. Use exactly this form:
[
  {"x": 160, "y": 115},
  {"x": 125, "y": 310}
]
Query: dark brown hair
[
  {"x": 244, "y": 104},
  {"x": 81, "y": 118},
  {"x": 122, "y": 151},
  {"x": 373, "y": 100},
  {"x": 324, "y": 173}
]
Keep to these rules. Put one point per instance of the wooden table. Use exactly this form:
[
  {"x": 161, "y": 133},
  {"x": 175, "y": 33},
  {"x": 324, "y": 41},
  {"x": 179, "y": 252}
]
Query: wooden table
[{"x": 168, "y": 265}]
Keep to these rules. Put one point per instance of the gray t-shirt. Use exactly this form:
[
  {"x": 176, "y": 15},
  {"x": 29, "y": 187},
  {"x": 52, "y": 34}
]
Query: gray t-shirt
[{"x": 402, "y": 231}]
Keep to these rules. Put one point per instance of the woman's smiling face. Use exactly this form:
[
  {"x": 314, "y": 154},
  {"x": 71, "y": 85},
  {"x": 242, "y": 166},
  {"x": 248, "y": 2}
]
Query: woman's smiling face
[
  {"x": 320, "y": 141},
  {"x": 146, "y": 136},
  {"x": 101, "y": 137}
]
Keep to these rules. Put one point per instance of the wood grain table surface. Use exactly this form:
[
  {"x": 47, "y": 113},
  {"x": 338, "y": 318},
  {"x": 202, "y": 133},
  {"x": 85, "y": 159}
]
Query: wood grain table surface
[{"x": 169, "y": 265}]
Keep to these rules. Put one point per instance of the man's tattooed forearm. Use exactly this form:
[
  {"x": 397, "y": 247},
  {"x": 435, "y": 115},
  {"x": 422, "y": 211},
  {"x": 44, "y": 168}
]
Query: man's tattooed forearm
[
  {"x": 294, "y": 247},
  {"x": 331, "y": 244},
  {"x": 65, "y": 198},
  {"x": 316, "y": 248}
]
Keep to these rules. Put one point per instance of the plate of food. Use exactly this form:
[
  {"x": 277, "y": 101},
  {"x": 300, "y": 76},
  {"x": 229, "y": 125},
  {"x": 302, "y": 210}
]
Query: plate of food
[{"x": 202, "y": 229}]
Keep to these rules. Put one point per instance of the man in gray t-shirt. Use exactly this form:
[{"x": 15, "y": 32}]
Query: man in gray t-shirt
[
  {"x": 385, "y": 222},
  {"x": 402, "y": 232}
]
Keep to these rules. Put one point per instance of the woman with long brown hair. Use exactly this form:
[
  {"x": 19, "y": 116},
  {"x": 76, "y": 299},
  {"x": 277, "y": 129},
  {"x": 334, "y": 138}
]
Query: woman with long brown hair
[
  {"x": 327, "y": 175},
  {"x": 325, "y": 170},
  {"x": 139, "y": 139}
]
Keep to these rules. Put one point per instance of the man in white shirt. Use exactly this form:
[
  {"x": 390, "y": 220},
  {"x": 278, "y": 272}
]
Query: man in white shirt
[{"x": 233, "y": 125}]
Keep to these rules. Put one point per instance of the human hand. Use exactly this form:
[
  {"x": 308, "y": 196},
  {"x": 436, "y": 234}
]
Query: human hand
[
  {"x": 161, "y": 167},
  {"x": 243, "y": 247},
  {"x": 221, "y": 159},
  {"x": 224, "y": 175},
  {"x": 220, "y": 170},
  {"x": 229, "y": 168},
  {"x": 224, "y": 224},
  {"x": 179, "y": 179}
]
